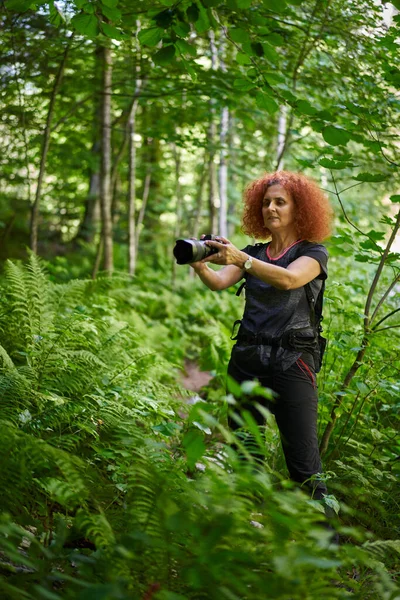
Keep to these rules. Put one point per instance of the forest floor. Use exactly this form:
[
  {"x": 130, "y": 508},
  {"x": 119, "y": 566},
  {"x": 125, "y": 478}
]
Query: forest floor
[{"x": 193, "y": 378}]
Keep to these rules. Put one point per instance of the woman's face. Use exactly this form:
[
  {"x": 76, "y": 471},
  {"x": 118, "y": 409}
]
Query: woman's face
[{"x": 278, "y": 209}]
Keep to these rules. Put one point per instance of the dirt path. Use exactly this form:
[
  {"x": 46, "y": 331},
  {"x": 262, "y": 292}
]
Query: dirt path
[{"x": 193, "y": 379}]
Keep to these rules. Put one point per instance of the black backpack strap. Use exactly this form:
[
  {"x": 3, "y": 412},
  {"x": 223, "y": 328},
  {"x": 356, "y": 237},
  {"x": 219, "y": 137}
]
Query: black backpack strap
[
  {"x": 315, "y": 306},
  {"x": 240, "y": 288}
]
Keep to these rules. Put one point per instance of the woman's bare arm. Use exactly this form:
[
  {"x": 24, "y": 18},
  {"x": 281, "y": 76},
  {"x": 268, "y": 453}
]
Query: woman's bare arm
[
  {"x": 218, "y": 280},
  {"x": 301, "y": 271}
]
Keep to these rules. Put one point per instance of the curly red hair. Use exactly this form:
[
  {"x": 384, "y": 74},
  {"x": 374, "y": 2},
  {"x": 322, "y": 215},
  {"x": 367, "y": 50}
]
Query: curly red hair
[{"x": 313, "y": 216}]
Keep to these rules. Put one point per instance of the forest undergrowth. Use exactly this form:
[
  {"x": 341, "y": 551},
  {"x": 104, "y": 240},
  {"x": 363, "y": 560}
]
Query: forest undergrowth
[{"x": 114, "y": 487}]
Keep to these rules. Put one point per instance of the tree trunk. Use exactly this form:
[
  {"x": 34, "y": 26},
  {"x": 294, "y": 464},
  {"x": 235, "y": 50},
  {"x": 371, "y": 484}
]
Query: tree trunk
[
  {"x": 223, "y": 164},
  {"x": 178, "y": 194},
  {"x": 281, "y": 145},
  {"x": 45, "y": 147},
  {"x": 146, "y": 189},
  {"x": 91, "y": 218},
  {"x": 212, "y": 133},
  {"x": 132, "y": 180},
  {"x": 199, "y": 199},
  {"x": 105, "y": 183}
]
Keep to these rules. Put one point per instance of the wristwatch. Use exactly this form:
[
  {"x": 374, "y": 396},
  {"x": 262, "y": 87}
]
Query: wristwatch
[{"x": 248, "y": 264}]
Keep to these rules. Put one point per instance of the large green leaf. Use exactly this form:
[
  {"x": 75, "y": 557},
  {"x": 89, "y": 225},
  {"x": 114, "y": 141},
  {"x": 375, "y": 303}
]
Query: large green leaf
[
  {"x": 278, "y": 6},
  {"x": 244, "y": 85},
  {"x": 335, "y": 136},
  {"x": 164, "y": 56},
  {"x": 150, "y": 37},
  {"x": 371, "y": 177},
  {"x": 112, "y": 32},
  {"x": 334, "y": 164},
  {"x": 86, "y": 24},
  {"x": 305, "y": 108},
  {"x": 203, "y": 22},
  {"x": 185, "y": 48},
  {"x": 19, "y": 5},
  {"x": 243, "y": 59},
  {"x": 114, "y": 14},
  {"x": 395, "y": 198},
  {"x": 270, "y": 53},
  {"x": 267, "y": 103}
]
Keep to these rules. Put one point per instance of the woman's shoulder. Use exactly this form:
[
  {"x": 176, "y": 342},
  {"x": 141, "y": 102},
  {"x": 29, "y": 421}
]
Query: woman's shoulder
[
  {"x": 305, "y": 247},
  {"x": 255, "y": 249}
]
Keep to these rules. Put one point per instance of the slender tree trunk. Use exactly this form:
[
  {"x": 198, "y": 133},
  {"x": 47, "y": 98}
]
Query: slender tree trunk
[
  {"x": 132, "y": 182},
  {"x": 45, "y": 147},
  {"x": 92, "y": 217},
  {"x": 212, "y": 133},
  {"x": 223, "y": 163},
  {"x": 179, "y": 204},
  {"x": 105, "y": 184},
  {"x": 223, "y": 174},
  {"x": 282, "y": 129},
  {"x": 145, "y": 196},
  {"x": 199, "y": 199}
]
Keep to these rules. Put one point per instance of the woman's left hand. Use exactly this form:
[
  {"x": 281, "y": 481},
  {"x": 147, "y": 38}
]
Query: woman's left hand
[{"x": 227, "y": 253}]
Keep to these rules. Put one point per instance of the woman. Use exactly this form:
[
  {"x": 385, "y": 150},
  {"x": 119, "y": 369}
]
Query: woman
[{"x": 276, "y": 340}]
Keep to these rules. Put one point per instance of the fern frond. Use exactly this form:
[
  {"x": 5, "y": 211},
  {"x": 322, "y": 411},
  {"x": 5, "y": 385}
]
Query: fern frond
[
  {"x": 381, "y": 549},
  {"x": 7, "y": 361},
  {"x": 96, "y": 527}
]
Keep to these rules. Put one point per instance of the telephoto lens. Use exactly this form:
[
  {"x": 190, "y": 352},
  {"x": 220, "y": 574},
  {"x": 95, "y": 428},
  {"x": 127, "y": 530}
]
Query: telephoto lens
[{"x": 190, "y": 251}]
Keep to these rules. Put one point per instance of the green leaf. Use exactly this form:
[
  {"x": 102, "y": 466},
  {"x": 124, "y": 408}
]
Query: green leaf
[
  {"x": 164, "y": 19},
  {"x": 243, "y": 85},
  {"x": 376, "y": 235},
  {"x": 395, "y": 198},
  {"x": 185, "y": 48},
  {"x": 243, "y": 59},
  {"x": 334, "y": 164},
  {"x": 88, "y": 8},
  {"x": 192, "y": 13},
  {"x": 168, "y": 2},
  {"x": 243, "y": 4},
  {"x": 150, "y": 37},
  {"x": 19, "y": 5},
  {"x": 274, "y": 78},
  {"x": 267, "y": 103},
  {"x": 276, "y": 39},
  {"x": 396, "y": 3},
  {"x": 240, "y": 36},
  {"x": 335, "y": 136},
  {"x": 270, "y": 53},
  {"x": 305, "y": 108},
  {"x": 370, "y": 177},
  {"x": 86, "y": 24},
  {"x": 112, "y": 32},
  {"x": 114, "y": 14},
  {"x": 164, "y": 56},
  {"x": 191, "y": 68},
  {"x": 203, "y": 22},
  {"x": 278, "y": 6},
  {"x": 110, "y": 3},
  {"x": 369, "y": 245},
  {"x": 193, "y": 443},
  {"x": 181, "y": 29}
]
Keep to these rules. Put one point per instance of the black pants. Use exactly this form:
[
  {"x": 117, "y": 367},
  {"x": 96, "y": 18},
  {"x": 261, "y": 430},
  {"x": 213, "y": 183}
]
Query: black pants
[{"x": 295, "y": 409}]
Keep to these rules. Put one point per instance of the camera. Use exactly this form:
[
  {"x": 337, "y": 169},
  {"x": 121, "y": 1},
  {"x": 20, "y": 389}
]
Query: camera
[{"x": 190, "y": 251}]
